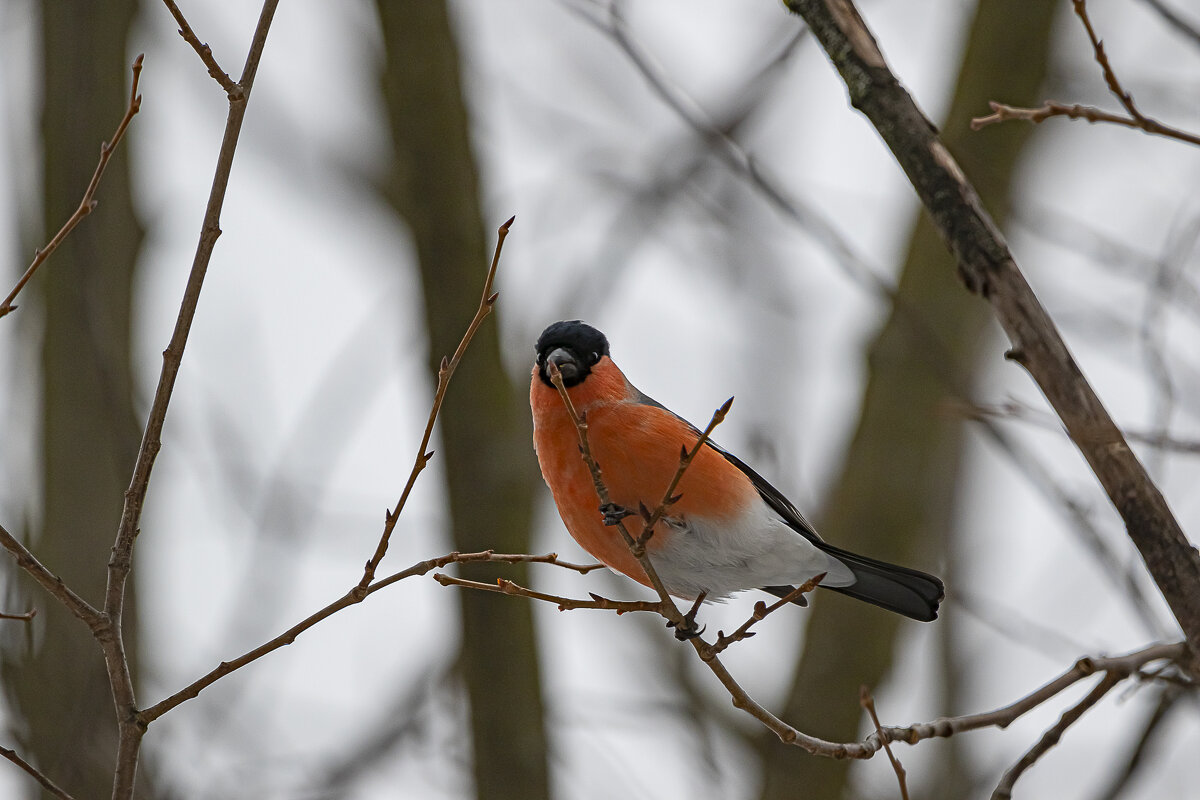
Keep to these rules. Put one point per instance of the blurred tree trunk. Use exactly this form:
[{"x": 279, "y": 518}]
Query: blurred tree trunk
[
  {"x": 901, "y": 476},
  {"x": 486, "y": 439},
  {"x": 90, "y": 432}
]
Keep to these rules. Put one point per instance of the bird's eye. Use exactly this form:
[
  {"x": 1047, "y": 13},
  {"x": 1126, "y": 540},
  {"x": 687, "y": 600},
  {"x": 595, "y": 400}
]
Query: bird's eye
[{"x": 595, "y": 357}]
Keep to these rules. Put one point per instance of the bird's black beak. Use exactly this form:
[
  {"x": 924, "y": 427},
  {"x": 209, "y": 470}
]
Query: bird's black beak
[{"x": 568, "y": 365}]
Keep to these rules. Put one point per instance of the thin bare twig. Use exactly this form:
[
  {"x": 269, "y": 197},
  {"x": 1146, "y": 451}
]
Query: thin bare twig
[
  {"x": 88, "y": 203},
  {"x": 548, "y": 558},
  {"x": 868, "y": 702},
  {"x": 986, "y": 267},
  {"x": 445, "y": 372},
  {"x": 352, "y": 597},
  {"x": 203, "y": 50},
  {"x": 503, "y": 586},
  {"x": 761, "y": 612},
  {"x": 673, "y": 615},
  {"x": 1051, "y": 737},
  {"x": 24, "y": 616},
  {"x": 1117, "y": 666},
  {"x": 686, "y": 457},
  {"x": 47, "y": 784},
  {"x": 741, "y": 699},
  {"x": 1002, "y": 113},
  {"x": 26, "y": 560},
  {"x": 111, "y": 639},
  {"x": 1114, "y": 668},
  {"x": 1134, "y": 119}
]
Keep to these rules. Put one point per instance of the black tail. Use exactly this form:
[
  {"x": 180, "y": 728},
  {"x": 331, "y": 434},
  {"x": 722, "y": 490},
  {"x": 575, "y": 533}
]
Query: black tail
[{"x": 905, "y": 591}]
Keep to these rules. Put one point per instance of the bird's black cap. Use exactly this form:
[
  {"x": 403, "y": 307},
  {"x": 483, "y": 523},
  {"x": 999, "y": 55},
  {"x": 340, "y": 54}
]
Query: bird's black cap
[
  {"x": 585, "y": 344},
  {"x": 575, "y": 335}
]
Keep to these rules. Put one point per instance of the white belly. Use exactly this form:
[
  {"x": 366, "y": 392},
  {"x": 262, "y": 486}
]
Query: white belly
[{"x": 757, "y": 550}]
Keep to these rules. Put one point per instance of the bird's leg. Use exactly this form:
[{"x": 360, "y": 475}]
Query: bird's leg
[
  {"x": 687, "y": 629},
  {"x": 613, "y": 513}
]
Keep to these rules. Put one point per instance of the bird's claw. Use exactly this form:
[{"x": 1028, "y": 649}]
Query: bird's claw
[
  {"x": 687, "y": 629},
  {"x": 612, "y": 513}
]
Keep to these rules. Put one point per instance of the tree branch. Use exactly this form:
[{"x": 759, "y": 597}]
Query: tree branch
[
  {"x": 1051, "y": 737},
  {"x": 988, "y": 269},
  {"x": 47, "y": 784},
  {"x": 203, "y": 50},
  {"x": 1003, "y": 113},
  {"x": 1113, "y": 668},
  {"x": 637, "y": 547},
  {"x": 761, "y": 611},
  {"x": 868, "y": 703},
  {"x": 1120, "y": 666},
  {"x": 26, "y": 560},
  {"x": 356, "y": 595},
  {"x": 88, "y": 203},
  {"x": 446, "y": 371},
  {"x": 503, "y": 586},
  {"x": 686, "y": 457},
  {"x": 1135, "y": 119},
  {"x": 111, "y": 639}
]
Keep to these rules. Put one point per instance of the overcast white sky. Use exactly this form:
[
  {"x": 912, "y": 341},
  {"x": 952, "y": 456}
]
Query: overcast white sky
[{"x": 303, "y": 391}]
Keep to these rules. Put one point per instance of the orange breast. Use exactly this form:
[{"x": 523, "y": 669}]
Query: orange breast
[{"x": 637, "y": 447}]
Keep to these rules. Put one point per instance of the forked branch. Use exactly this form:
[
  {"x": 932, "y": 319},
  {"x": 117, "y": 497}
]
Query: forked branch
[
  {"x": 1133, "y": 117},
  {"x": 445, "y": 372}
]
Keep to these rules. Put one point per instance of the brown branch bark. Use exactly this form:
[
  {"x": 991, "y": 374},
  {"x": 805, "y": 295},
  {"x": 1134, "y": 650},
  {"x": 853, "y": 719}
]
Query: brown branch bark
[
  {"x": 906, "y": 454},
  {"x": 445, "y": 372},
  {"x": 1135, "y": 119},
  {"x": 1113, "y": 669},
  {"x": 1052, "y": 736},
  {"x": 431, "y": 179},
  {"x": 82, "y": 609},
  {"x": 87, "y": 419},
  {"x": 111, "y": 639},
  {"x": 1002, "y": 113},
  {"x": 502, "y": 586},
  {"x": 47, "y": 784},
  {"x": 988, "y": 269},
  {"x": 87, "y": 203},
  {"x": 202, "y": 49},
  {"x": 354, "y": 596},
  {"x": 868, "y": 703}
]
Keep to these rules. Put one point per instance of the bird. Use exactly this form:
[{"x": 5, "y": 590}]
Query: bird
[{"x": 727, "y": 530}]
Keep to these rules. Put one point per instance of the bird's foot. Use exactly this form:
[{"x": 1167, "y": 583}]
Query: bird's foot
[
  {"x": 687, "y": 628},
  {"x": 613, "y": 513}
]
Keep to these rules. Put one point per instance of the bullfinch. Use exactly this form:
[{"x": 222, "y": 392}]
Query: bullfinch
[{"x": 729, "y": 530}]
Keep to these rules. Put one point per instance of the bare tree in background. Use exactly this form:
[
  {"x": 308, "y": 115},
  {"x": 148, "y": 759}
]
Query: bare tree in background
[
  {"x": 902, "y": 473},
  {"x": 485, "y": 444},
  {"x": 898, "y": 488},
  {"x": 89, "y": 428}
]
